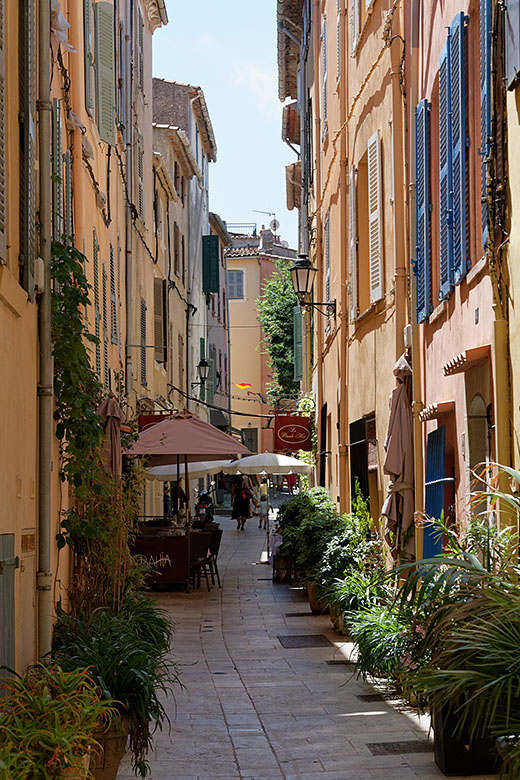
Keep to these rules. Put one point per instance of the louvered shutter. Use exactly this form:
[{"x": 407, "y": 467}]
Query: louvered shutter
[
  {"x": 3, "y": 241},
  {"x": 327, "y": 267},
  {"x": 375, "y": 225},
  {"x": 512, "y": 43},
  {"x": 211, "y": 382},
  {"x": 210, "y": 264},
  {"x": 298, "y": 344},
  {"x": 140, "y": 174},
  {"x": 435, "y": 486},
  {"x": 324, "y": 84},
  {"x": 458, "y": 139},
  {"x": 338, "y": 39},
  {"x": 445, "y": 184},
  {"x": 485, "y": 106},
  {"x": 356, "y": 23},
  {"x": 105, "y": 327},
  {"x": 57, "y": 171},
  {"x": 143, "y": 342},
  {"x": 422, "y": 210},
  {"x": 140, "y": 51},
  {"x": 28, "y": 145},
  {"x": 105, "y": 71},
  {"x": 97, "y": 316},
  {"x": 353, "y": 244},
  {"x": 69, "y": 219},
  {"x": 89, "y": 56},
  {"x": 113, "y": 298},
  {"x": 8, "y": 563},
  {"x": 119, "y": 304},
  {"x": 159, "y": 320}
]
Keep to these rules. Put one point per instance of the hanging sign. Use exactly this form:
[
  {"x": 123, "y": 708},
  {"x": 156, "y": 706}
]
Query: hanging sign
[{"x": 292, "y": 432}]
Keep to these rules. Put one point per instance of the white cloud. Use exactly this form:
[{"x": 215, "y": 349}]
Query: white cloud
[{"x": 262, "y": 83}]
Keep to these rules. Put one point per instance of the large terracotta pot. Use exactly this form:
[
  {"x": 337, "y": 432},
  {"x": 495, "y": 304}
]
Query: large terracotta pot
[
  {"x": 113, "y": 745},
  {"x": 317, "y": 607},
  {"x": 77, "y": 773}
]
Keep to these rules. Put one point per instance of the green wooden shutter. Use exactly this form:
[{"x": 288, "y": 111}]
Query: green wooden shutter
[
  {"x": 57, "y": 171},
  {"x": 105, "y": 329},
  {"x": 67, "y": 194},
  {"x": 97, "y": 316},
  {"x": 298, "y": 343},
  {"x": 211, "y": 383},
  {"x": 89, "y": 56},
  {"x": 159, "y": 293},
  {"x": 105, "y": 71},
  {"x": 143, "y": 342},
  {"x": 210, "y": 264},
  {"x": 28, "y": 145},
  {"x": 3, "y": 242}
]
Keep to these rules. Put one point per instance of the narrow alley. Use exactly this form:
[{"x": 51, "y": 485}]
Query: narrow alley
[{"x": 269, "y": 690}]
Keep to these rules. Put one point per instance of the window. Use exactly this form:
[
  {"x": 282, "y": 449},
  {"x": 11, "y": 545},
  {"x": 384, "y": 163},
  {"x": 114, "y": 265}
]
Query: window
[
  {"x": 327, "y": 267},
  {"x": 140, "y": 51},
  {"x": 422, "y": 266},
  {"x": 250, "y": 439},
  {"x": 452, "y": 158},
  {"x": 105, "y": 70},
  {"x": 235, "y": 284},
  {"x": 104, "y": 280},
  {"x": 113, "y": 299},
  {"x": 139, "y": 164},
  {"x": 28, "y": 218},
  {"x": 353, "y": 244},
  {"x": 485, "y": 104},
  {"x": 159, "y": 308},
  {"x": 438, "y": 489},
  {"x": 176, "y": 249},
  {"x": 97, "y": 315},
  {"x": 88, "y": 45},
  {"x": 324, "y": 80},
  {"x": 143, "y": 342},
  {"x": 183, "y": 260},
  {"x": 375, "y": 223}
]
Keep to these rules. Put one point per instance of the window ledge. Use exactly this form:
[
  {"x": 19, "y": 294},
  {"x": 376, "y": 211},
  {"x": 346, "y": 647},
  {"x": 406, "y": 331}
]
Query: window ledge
[
  {"x": 477, "y": 269},
  {"x": 438, "y": 312}
]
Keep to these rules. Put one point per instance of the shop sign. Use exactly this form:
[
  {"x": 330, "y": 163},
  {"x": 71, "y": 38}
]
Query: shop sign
[{"x": 292, "y": 432}]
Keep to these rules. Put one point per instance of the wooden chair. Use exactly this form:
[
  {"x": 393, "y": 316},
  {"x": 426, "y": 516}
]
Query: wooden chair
[
  {"x": 199, "y": 545},
  {"x": 214, "y": 547}
]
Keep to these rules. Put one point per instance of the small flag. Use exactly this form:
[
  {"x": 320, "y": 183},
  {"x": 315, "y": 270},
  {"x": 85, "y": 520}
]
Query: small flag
[{"x": 243, "y": 385}]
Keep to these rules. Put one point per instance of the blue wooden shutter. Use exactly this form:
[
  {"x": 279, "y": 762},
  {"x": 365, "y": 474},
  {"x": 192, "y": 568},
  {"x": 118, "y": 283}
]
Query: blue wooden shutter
[
  {"x": 485, "y": 106},
  {"x": 457, "y": 66},
  {"x": 434, "y": 489},
  {"x": 298, "y": 344},
  {"x": 446, "y": 186},
  {"x": 422, "y": 195}
]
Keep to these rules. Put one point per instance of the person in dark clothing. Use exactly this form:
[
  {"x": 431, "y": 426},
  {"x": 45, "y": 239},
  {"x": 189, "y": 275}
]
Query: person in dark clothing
[{"x": 241, "y": 495}]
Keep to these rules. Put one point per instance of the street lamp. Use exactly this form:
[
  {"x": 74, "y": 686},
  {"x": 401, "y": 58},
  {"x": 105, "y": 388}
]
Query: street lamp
[
  {"x": 303, "y": 274},
  {"x": 203, "y": 371}
]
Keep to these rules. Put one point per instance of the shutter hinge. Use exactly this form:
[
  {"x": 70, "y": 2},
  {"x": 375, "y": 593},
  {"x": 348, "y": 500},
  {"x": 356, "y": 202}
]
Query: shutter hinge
[{"x": 9, "y": 562}]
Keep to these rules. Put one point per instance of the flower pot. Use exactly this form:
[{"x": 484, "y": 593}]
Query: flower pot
[
  {"x": 77, "y": 772},
  {"x": 318, "y": 607},
  {"x": 460, "y": 755},
  {"x": 113, "y": 748}
]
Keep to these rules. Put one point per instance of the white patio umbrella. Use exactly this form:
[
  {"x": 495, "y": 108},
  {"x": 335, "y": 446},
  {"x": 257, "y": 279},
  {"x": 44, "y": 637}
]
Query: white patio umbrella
[
  {"x": 195, "y": 470},
  {"x": 268, "y": 463}
]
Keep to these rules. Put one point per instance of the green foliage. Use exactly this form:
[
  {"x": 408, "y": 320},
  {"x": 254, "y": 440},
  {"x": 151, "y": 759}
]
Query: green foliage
[
  {"x": 275, "y": 314},
  {"x": 47, "y": 723},
  {"x": 308, "y": 522},
  {"x": 307, "y": 408},
  {"x": 127, "y": 654}
]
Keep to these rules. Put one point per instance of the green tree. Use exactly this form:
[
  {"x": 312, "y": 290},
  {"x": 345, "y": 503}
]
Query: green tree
[{"x": 275, "y": 314}]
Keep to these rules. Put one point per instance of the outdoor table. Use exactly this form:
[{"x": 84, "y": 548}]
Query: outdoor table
[{"x": 168, "y": 555}]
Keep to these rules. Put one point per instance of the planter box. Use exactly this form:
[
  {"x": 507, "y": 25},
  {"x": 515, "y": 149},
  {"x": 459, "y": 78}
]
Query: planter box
[
  {"x": 460, "y": 756},
  {"x": 282, "y": 569},
  {"x": 317, "y": 607},
  {"x": 113, "y": 744}
]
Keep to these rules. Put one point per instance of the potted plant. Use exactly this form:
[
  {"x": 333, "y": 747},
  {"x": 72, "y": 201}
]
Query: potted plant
[
  {"x": 127, "y": 653},
  {"x": 47, "y": 724}
]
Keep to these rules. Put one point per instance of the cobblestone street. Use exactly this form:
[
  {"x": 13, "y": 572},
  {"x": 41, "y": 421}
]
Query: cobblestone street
[{"x": 256, "y": 710}]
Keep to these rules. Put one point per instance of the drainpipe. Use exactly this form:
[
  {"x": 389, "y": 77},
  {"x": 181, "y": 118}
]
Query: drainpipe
[
  {"x": 45, "y": 386},
  {"x": 228, "y": 351},
  {"x": 128, "y": 213},
  {"x": 319, "y": 199},
  {"x": 417, "y": 403}
]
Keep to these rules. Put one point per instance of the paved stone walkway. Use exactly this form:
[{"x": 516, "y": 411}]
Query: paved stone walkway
[{"x": 254, "y": 710}]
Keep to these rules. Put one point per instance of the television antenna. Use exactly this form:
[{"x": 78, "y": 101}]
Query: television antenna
[{"x": 274, "y": 224}]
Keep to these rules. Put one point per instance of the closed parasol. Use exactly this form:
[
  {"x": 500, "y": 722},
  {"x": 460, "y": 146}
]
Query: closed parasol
[
  {"x": 195, "y": 470},
  {"x": 113, "y": 416},
  {"x": 398, "y": 507}
]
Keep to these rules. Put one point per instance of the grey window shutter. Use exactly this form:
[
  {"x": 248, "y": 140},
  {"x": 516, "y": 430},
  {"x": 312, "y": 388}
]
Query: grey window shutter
[
  {"x": 28, "y": 146},
  {"x": 69, "y": 217},
  {"x": 113, "y": 298},
  {"x": 353, "y": 244},
  {"x": 356, "y": 23},
  {"x": 327, "y": 267},
  {"x": 159, "y": 288},
  {"x": 105, "y": 71},
  {"x": 89, "y": 56},
  {"x": 3, "y": 241},
  {"x": 105, "y": 328},
  {"x": 57, "y": 171},
  {"x": 140, "y": 174},
  {"x": 375, "y": 221},
  {"x": 8, "y": 563},
  {"x": 97, "y": 316},
  {"x": 143, "y": 342},
  {"x": 140, "y": 51},
  {"x": 324, "y": 76}
]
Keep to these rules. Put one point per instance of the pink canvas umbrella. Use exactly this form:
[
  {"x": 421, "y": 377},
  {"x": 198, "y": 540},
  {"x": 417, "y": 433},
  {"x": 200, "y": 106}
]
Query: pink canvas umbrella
[{"x": 398, "y": 507}]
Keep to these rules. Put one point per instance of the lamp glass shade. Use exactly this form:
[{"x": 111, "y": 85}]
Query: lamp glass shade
[
  {"x": 203, "y": 369},
  {"x": 303, "y": 273}
]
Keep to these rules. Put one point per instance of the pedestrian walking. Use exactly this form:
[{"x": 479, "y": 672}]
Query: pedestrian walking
[
  {"x": 264, "y": 504},
  {"x": 241, "y": 495}
]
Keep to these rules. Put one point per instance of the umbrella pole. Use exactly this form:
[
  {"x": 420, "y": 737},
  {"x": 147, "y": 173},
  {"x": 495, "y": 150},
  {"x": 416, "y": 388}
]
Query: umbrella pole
[
  {"x": 178, "y": 493},
  {"x": 187, "y": 491}
]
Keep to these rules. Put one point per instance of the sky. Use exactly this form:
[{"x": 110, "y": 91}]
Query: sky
[{"x": 229, "y": 49}]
